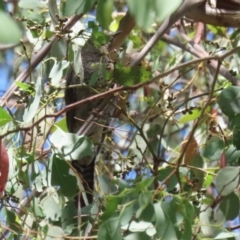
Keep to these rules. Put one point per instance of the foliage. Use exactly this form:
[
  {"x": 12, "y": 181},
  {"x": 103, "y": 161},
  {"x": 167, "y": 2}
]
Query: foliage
[{"x": 170, "y": 162}]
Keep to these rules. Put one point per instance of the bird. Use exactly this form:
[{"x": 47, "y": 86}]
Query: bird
[
  {"x": 91, "y": 58},
  {"x": 232, "y": 5},
  {"x": 4, "y": 168}
]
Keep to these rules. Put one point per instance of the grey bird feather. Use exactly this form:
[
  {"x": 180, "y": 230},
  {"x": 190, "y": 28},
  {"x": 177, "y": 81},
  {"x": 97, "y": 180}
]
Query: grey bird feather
[{"x": 91, "y": 57}]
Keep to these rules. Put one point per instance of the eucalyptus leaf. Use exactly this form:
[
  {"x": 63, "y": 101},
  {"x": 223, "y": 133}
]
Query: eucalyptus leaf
[
  {"x": 129, "y": 76},
  {"x": 110, "y": 229},
  {"x": 164, "y": 226},
  {"x": 236, "y": 137},
  {"x": 229, "y": 101},
  {"x": 57, "y": 71},
  {"x": 54, "y": 232},
  {"x": 104, "y": 12},
  {"x": 12, "y": 221},
  {"x": 195, "y": 113},
  {"x": 53, "y": 10},
  {"x": 213, "y": 148},
  {"x": 226, "y": 236},
  {"x": 226, "y": 204},
  {"x": 31, "y": 4},
  {"x": 61, "y": 177},
  {"x": 4, "y": 117},
  {"x": 110, "y": 207},
  {"x": 148, "y": 10},
  {"x": 138, "y": 236},
  {"x": 227, "y": 180},
  {"x": 165, "y": 8},
  {"x": 10, "y": 32},
  {"x": 50, "y": 206},
  {"x": 72, "y": 7},
  {"x": 31, "y": 110},
  {"x": 211, "y": 222},
  {"x": 59, "y": 48},
  {"x": 68, "y": 222},
  {"x": 77, "y": 63},
  {"x": 71, "y": 146},
  {"x": 126, "y": 213}
]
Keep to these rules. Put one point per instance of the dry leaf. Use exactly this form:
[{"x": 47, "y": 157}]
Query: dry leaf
[{"x": 192, "y": 150}]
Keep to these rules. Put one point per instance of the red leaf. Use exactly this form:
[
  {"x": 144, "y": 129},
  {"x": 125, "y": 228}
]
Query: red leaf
[
  {"x": 223, "y": 160},
  {"x": 4, "y": 167}
]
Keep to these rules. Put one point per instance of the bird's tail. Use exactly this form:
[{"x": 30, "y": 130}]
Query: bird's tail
[{"x": 86, "y": 174}]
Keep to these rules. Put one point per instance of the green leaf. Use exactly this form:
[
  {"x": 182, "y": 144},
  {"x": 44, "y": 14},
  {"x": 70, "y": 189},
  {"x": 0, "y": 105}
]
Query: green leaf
[
  {"x": 104, "y": 12},
  {"x": 188, "y": 210},
  {"x": 99, "y": 73},
  {"x": 62, "y": 124},
  {"x": 105, "y": 184},
  {"x": 13, "y": 222},
  {"x": 140, "y": 226},
  {"x": 208, "y": 180},
  {"x": 36, "y": 208},
  {"x": 146, "y": 213},
  {"x": 229, "y": 101},
  {"x": 71, "y": 146},
  {"x": 57, "y": 70},
  {"x": 226, "y": 206},
  {"x": 77, "y": 63},
  {"x": 38, "y": 177},
  {"x": 172, "y": 181},
  {"x": 143, "y": 13},
  {"x": 216, "y": 29},
  {"x": 10, "y": 32},
  {"x": 50, "y": 206},
  {"x": 165, "y": 8},
  {"x": 213, "y": 149},
  {"x": 210, "y": 221},
  {"x": 67, "y": 220},
  {"x": 148, "y": 10},
  {"x": 226, "y": 236},
  {"x": 59, "y": 49},
  {"x": 189, "y": 213},
  {"x": 164, "y": 227},
  {"x": 236, "y": 137},
  {"x": 195, "y": 113},
  {"x": 4, "y": 117},
  {"x": 110, "y": 207},
  {"x": 72, "y": 7},
  {"x": 138, "y": 236},
  {"x": 53, "y": 10},
  {"x": 143, "y": 185},
  {"x": 31, "y": 110},
  {"x": 2, "y": 5},
  {"x": 61, "y": 177},
  {"x": 196, "y": 174},
  {"x": 24, "y": 86},
  {"x": 232, "y": 154},
  {"x": 128, "y": 76},
  {"x": 227, "y": 180},
  {"x": 115, "y": 23},
  {"x": 144, "y": 199},
  {"x": 54, "y": 233},
  {"x": 235, "y": 121},
  {"x": 236, "y": 131},
  {"x": 172, "y": 212},
  {"x": 31, "y": 4},
  {"x": 187, "y": 233},
  {"x": 127, "y": 213},
  {"x": 110, "y": 229}
]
